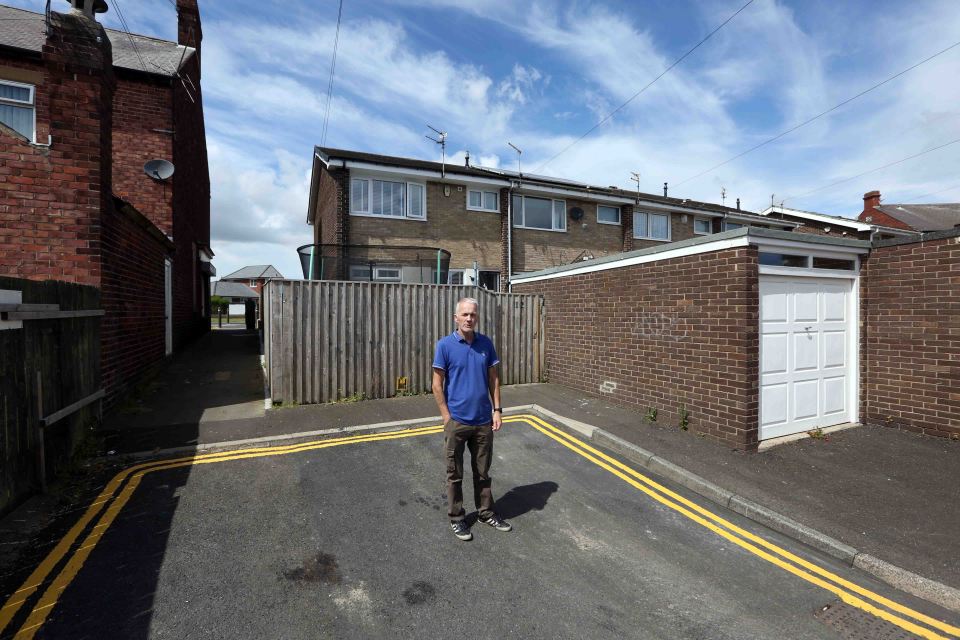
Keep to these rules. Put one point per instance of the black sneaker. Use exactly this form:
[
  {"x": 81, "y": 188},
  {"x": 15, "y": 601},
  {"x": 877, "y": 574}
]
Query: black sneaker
[
  {"x": 496, "y": 523},
  {"x": 461, "y": 530}
]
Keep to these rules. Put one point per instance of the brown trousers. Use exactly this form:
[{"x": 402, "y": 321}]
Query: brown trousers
[{"x": 480, "y": 442}]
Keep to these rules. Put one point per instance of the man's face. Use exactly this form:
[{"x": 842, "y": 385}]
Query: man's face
[{"x": 466, "y": 317}]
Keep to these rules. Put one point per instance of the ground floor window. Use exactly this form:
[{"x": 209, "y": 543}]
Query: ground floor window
[{"x": 489, "y": 280}]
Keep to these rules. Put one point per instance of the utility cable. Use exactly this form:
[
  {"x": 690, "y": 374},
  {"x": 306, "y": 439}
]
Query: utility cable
[
  {"x": 648, "y": 85},
  {"x": 126, "y": 29},
  {"x": 333, "y": 66},
  {"x": 816, "y": 117},
  {"x": 859, "y": 175}
]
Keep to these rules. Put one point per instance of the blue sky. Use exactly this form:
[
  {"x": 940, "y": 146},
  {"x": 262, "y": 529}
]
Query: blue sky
[{"x": 541, "y": 73}]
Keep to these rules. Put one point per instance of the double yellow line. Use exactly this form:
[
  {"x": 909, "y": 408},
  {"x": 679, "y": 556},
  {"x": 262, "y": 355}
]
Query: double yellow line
[{"x": 119, "y": 490}]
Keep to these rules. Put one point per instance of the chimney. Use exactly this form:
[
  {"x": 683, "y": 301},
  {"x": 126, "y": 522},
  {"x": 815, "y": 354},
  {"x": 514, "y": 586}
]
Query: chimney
[
  {"x": 466, "y": 160},
  {"x": 738, "y": 204},
  {"x": 871, "y": 199},
  {"x": 189, "y": 32},
  {"x": 664, "y": 189},
  {"x": 87, "y": 8}
]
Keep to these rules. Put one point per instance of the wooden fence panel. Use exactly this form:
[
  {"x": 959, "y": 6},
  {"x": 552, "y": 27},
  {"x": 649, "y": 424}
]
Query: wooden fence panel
[{"x": 329, "y": 340}]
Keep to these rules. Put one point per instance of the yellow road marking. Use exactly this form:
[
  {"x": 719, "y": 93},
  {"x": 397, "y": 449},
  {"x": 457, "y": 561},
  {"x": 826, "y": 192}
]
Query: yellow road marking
[
  {"x": 639, "y": 481},
  {"x": 843, "y": 595}
]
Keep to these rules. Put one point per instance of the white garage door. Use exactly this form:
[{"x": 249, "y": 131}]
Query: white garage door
[{"x": 806, "y": 365}]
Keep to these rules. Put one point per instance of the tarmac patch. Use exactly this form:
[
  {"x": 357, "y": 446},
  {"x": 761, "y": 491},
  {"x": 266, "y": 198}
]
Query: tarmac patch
[
  {"x": 321, "y": 568},
  {"x": 854, "y": 624},
  {"x": 419, "y": 593}
]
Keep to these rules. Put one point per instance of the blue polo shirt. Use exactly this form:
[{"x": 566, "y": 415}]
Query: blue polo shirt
[{"x": 466, "y": 365}]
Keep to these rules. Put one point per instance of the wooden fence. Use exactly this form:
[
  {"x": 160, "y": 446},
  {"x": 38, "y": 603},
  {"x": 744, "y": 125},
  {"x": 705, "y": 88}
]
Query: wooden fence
[
  {"x": 49, "y": 379},
  {"x": 326, "y": 341}
]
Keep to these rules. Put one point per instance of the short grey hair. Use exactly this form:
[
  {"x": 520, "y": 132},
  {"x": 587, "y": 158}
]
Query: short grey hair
[{"x": 472, "y": 301}]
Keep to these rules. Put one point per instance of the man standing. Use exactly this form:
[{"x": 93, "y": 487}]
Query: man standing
[{"x": 465, "y": 377}]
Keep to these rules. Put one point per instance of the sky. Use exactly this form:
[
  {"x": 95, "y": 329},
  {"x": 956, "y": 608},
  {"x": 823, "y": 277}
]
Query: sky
[{"x": 540, "y": 74}]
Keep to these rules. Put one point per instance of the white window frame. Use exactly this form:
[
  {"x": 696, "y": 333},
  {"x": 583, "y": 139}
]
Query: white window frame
[
  {"x": 496, "y": 199},
  {"x": 253, "y": 283},
  {"x": 709, "y": 222},
  {"x": 379, "y": 278},
  {"x": 553, "y": 207},
  {"x": 610, "y": 206},
  {"x": 407, "y": 185},
  {"x": 647, "y": 236},
  {"x": 452, "y": 272},
  {"x": 20, "y": 103}
]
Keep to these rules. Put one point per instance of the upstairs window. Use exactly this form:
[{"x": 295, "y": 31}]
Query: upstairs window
[
  {"x": 608, "y": 215},
  {"x": 730, "y": 226},
  {"x": 539, "y": 213},
  {"x": 483, "y": 200},
  {"x": 17, "y": 107},
  {"x": 702, "y": 226},
  {"x": 387, "y": 199},
  {"x": 651, "y": 226}
]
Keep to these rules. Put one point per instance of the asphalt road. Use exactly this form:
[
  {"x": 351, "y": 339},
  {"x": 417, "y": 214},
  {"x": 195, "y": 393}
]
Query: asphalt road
[{"x": 351, "y": 541}]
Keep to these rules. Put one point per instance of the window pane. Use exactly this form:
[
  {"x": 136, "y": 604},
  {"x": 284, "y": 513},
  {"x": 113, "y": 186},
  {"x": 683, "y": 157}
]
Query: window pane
[
  {"x": 833, "y": 263},
  {"x": 608, "y": 214},
  {"x": 659, "y": 226},
  {"x": 537, "y": 213},
  {"x": 10, "y": 92},
  {"x": 416, "y": 200},
  {"x": 730, "y": 226},
  {"x": 359, "y": 199},
  {"x": 702, "y": 226},
  {"x": 517, "y": 207},
  {"x": 456, "y": 277},
  {"x": 782, "y": 260},
  {"x": 490, "y": 200},
  {"x": 20, "y": 119},
  {"x": 474, "y": 198},
  {"x": 639, "y": 224},
  {"x": 387, "y": 198},
  {"x": 559, "y": 214}
]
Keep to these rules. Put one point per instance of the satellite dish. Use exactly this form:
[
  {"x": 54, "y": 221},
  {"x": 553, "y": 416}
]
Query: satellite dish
[
  {"x": 576, "y": 213},
  {"x": 158, "y": 169}
]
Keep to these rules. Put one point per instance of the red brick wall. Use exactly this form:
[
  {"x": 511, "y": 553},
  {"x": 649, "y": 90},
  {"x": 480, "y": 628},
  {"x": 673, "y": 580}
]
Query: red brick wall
[
  {"x": 669, "y": 334},
  {"x": 133, "y": 330},
  {"x": 143, "y": 131},
  {"x": 910, "y": 340},
  {"x": 191, "y": 207}
]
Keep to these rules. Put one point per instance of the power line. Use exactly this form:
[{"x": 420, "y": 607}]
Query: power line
[
  {"x": 819, "y": 115},
  {"x": 126, "y": 30},
  {"x": 648, "y": 85},
  {"x": 859, "y": 175},
  {"x": 333, "y": 66}
]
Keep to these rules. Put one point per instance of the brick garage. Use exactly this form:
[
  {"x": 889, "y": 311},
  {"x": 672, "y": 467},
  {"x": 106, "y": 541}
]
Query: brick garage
[
  {"x": 910, "y": 339},
  {"x": 671, "y": 335}
]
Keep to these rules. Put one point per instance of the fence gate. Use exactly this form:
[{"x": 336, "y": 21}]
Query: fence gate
[{"x": 329, "y": 340}]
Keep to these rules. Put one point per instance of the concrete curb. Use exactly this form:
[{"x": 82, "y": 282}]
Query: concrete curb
[{"x": 930, "y": 590}]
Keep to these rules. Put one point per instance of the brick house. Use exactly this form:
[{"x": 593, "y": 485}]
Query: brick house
[
  {"x": 494, "y": 220},
  {"x": 757, "y": 335},
  {"x": 910, "y": 217},
  {"x": 82, "y": 109},
  {"x": 254, "y": 276},
  {"x": 839, "y": 226}
]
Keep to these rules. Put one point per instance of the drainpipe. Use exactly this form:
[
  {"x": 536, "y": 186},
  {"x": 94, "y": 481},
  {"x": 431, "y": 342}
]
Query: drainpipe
[{"x": 510, "y": 238}]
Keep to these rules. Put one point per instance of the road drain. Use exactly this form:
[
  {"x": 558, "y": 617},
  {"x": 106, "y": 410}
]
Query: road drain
[{"x": 855, "y": 624}]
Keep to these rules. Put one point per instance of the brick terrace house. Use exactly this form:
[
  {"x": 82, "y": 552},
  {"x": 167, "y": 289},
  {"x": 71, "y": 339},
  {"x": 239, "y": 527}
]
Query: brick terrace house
[
  {"x": 497, "y": 220},
  {"x": 254, "y": 276},
  {"x": 912, "y": 217},
  {"x": 82, "y": 109},
  {"x": 839, "y": 226}
]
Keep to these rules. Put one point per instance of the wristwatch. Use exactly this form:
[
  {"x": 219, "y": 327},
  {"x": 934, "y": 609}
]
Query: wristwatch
[{"x": 500, "y": 409}]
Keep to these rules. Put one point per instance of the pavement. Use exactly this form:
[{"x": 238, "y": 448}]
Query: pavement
[{"x": 874, "y": 492}]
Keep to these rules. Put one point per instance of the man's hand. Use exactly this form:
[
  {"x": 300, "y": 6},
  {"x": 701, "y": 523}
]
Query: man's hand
[{"x": 497, "y": 421}]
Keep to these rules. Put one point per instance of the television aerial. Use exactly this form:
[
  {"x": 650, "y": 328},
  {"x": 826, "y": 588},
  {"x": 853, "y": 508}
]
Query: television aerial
[{"x": 158, "y": 169}]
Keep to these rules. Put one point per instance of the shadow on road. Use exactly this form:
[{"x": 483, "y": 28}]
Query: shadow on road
[{"x": 523, "y": 499}]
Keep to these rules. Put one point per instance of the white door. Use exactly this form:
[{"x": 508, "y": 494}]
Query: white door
[
  {"x": 806, "y": 359},
  {"x": 168, "y": 305}
]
